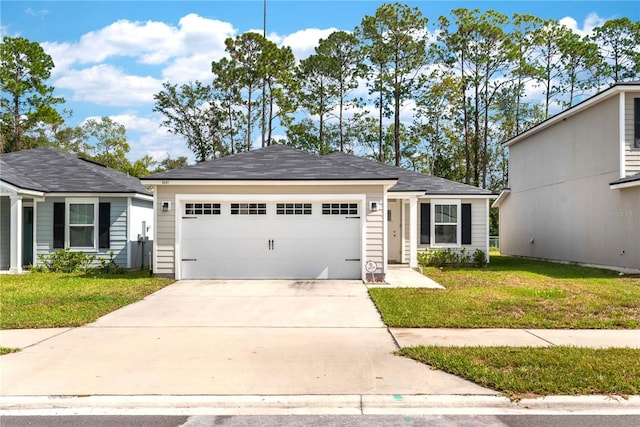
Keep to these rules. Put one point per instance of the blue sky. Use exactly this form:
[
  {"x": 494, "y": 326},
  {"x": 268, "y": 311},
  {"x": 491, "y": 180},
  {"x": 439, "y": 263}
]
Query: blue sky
[{"x": 112, "y": 56}]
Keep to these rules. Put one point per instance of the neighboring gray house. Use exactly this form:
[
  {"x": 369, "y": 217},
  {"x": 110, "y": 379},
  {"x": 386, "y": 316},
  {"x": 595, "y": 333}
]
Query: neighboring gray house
[
  {"x": 574, "y": 185},
  {"x": 51, "y": 200},
  {"x": 278, "y": 212}
]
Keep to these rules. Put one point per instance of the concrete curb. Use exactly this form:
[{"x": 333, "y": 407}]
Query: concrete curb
[{"x": 354, "y": 404}]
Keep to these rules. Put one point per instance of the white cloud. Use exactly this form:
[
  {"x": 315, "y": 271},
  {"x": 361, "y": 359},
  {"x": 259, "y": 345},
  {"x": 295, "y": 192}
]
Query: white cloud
[
  {"x": 303, "y": 42},
  {"x": 150, "y": 42},
  {"x": 590, "y": 22},
  {"x": 107, "y": 85}
]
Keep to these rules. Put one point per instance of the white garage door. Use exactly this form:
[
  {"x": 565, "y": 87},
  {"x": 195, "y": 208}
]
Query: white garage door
[{"x": 279, "y": 240}]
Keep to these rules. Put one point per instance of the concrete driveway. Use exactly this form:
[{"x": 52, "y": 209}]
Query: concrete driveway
[{"x": 230, "y": 338}]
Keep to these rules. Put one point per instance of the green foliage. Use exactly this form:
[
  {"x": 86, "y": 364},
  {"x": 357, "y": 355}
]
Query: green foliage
[
  {"x": 38, "y": 268},
  {"x": 67, "y": 261},
  {"x": 444, "y": 258},
  {"x": 109, "y": 266},
  {"x": 479, "y": 258},
  {"x": 27, "y": 101}
]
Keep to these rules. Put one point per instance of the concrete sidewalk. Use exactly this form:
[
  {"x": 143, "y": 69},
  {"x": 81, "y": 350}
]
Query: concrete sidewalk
[
  {"x": 409, "y": 337},
  {"x": 593, "y": 338}
]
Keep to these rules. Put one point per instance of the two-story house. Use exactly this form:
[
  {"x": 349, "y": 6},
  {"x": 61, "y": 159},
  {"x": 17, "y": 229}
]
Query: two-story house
[{"x": 574, "y": 185}]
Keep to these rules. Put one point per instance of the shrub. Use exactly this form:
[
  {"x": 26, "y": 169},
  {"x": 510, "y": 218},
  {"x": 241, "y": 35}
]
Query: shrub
[
  {"x": 109, "y": 266},
  {"x": 451, "y": 258},
  {"x": 38, "y": 268},
  {"x": 479, "y": 258},
  {"x": 66, "y": 261}
]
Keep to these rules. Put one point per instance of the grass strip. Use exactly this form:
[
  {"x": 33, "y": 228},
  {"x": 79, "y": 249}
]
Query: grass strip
[
  {"x": 7, "y": 350},
  {"x": 51, "y": 300},
  {"x": 538, "y": 371}
]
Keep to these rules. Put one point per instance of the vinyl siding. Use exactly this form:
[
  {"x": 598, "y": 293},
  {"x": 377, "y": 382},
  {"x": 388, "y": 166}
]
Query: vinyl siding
[
  {"x": 117, "y": 237},
  {"x": 165, "y": 221},
  {"x": 632, "y": 155},
  {"x": 478, "y": 226}
]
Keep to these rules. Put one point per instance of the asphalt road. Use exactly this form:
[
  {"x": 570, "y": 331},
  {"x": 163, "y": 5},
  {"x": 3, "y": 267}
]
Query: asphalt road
[{"x": 326, "y": 420}]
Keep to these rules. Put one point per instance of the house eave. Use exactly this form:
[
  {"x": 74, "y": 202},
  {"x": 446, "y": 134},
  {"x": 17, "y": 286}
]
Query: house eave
[
  {"x": 622, "y": 185},
  {"x": 140, "y": 196},
  {"x": 262, "y": 182},
  {"x": 503, "y": 195},
  {"x": 606, "y": 94},
  {"x": 459, "y": 196},
  {"x": 13, "y": 189}
]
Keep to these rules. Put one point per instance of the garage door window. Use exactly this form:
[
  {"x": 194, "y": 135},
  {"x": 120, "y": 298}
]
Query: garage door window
[
  {"x": 293, "y": 209},
  {"x": 339, "y": 209},
  {"x": 202, "y": 208},
  {"x": 248, "y": 208}
]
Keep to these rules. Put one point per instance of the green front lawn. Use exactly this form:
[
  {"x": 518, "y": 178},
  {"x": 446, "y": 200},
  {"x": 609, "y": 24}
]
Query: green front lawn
[
  {"x": 48, "y": 300},
  {"x": 521, "y": 371},
  {"x": 516, "y": 293}
]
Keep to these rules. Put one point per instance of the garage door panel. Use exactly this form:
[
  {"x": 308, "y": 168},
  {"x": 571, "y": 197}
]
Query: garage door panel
[{"x": 229, "y": 246}]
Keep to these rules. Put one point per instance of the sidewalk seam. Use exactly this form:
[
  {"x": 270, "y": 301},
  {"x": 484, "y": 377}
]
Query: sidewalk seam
[{"x": 539, "y": 337}]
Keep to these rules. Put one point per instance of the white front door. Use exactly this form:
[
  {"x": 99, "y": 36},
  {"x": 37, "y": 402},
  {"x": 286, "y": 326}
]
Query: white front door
[
  {"x": 297, "y": 240},
  {"x": 394, "y": 230}
]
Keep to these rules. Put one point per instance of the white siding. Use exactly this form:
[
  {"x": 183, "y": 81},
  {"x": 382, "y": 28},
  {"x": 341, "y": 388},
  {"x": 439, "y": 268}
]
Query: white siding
[
  {"x": 479, "y": 224},
  {"x": 632, "y": 155}
]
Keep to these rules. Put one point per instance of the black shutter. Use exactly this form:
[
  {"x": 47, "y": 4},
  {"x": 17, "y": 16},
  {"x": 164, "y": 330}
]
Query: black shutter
[
  {"x": 425, "y": 223},
  {"x": 58, "y": 225},
  {"x": 104, "y": 225},
  {"x": 466, "y": 223}
]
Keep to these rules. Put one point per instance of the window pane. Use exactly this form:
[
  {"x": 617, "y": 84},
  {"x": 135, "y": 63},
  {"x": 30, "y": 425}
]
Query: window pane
[
  {"x": 81, "y": 236},
  {"x": 446, "y": 214},
  {"x": 446, "y": 234},
  {"x": 81, "y": 213}
]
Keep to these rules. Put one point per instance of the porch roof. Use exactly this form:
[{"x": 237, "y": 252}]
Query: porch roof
[
  {"x": 49, "y": 170},
  {"x": 410, "y": 181}
]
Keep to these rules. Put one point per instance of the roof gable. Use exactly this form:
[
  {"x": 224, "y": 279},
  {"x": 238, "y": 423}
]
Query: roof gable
[
  {"x": 576, "y": 109},
  {"x": 52, "y": 171}
]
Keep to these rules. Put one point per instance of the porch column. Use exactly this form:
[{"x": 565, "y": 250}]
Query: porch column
[
  {"x": 15, "y": 235},
  {"x": 413, "y": 232}
]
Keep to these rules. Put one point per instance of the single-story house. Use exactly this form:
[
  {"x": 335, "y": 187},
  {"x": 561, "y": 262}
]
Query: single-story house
[
  {"x": 50, "y": 200},
  {"x": 277, "y": 212},
  {"x": 574, "y": 185}
]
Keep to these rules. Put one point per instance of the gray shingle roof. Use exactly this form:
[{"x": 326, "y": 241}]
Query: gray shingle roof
[
  {"x": 632, "y": 178},
  {"x": 279, "y": 162},
  {"x": 272, "y": 163},
  {"x": 410, "y": 180},
  {"x": 53, "y": 171}
]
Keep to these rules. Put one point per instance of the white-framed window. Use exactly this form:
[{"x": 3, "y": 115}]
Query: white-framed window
[
  {"x": 446, "y": 224},
  {"x": 81, "y": 224}
]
